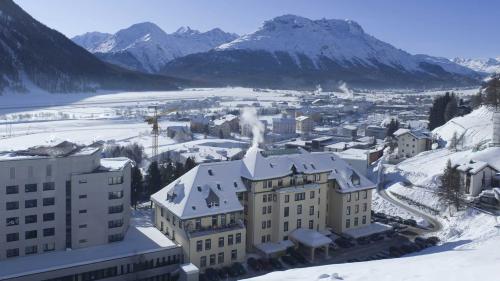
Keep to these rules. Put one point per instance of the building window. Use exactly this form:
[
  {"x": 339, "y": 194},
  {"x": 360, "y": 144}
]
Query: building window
[
  {"x": 115, "y": 237},
  {"x": 32, "y": 234},
  {"x": 230, "y": 238},
  {"x": 285, "y": 226},
  {"x": 117, "y": 223},
  {"x": 264, "y": 198},
  {"x": 363, "y": 221},
  {"x": 311, "y": 224},
  {"x": 115, "y": 209},
  {"x": 48, "y": 171},
  {"x": 30, "y": 203},
  {"x": 357, "y": 196},
  {"x": 287, "y": 198},
  {"x": 347, "y": 223},
  {"x": 199, "y": 246},
  {"x": 280, "y": 182},
  {"x": 311, "y": 210},
  {"x": 348, "y": 211},
  {"x": 263, "y": 224},
  {"x": 263, "y": 239},
  {"x": 115, "y": 195},
  {"x": 14, "y": 205},
  {"x": 48, "y": 232},
  {"x": 12, "y": 189},
  {"x": 49, "y": 186},
  {"x": 30, "y": 219},
  {"x": 238, "y": 238},
  {"x": 355, "y": 221},
  {"x": 82, "y": 196},
  {"x": 12, "y": 253},
  {"x": 203, "y": 261},
  {"x": 12, "y": 221},
  {"x": 12, "y": 173},
  {"x": 82, "y": 211},
  {"x": 30, "y": 187},
  {"x": 311, "y": 194},
  {"x": 30, "y": 250},
  {"x": 48, "y": 247},
  {"x": 49, "y": 201},
  {"x": 220, "y": 258},
  {"x": 268, "y": 237},
  {"x": 81, "y": 241},
  {"x": 234, "y": 255},
  {"x": 299, "y": 223},
  {"x": 269, "y": 209},
  {"x": 365, "y": 207},
  {"x": 349, "y": 197},
  {"x": 286, "y": 211},
  {"x": 264, "y": 210},
  {"x": 269, "y": 184},
  {"x": 212, "y": 259},
  {"x": 197, "y": 223},
  {"x": 269, "y": 224},
  {"x": 356, "y": 209},
  {"x": 115, "y": 180},
  {"x": 269, "y": 198},
  {"x": 11, "y": 237},
  {"x": 365, "y": 194},
  {"x": 300, "y": 196},
  {"x": 208, "y": 244},
  {"x": 299, "y": 209},
  {"x": 221, "y": 242}
]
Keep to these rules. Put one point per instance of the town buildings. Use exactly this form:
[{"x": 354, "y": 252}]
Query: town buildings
[{"x": 412, "y": 142}]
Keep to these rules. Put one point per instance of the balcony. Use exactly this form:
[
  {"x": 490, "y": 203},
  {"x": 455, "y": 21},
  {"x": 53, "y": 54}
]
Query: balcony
[{"x": 203, "y": 231}]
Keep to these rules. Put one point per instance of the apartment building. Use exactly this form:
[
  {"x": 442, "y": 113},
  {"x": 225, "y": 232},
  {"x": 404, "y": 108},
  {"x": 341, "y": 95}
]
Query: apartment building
[
  {"x": 65, "y": 213},
  {"x": 412, "y": 142},
  {"x": 304, "y": 124},
  {"x": 271, "y": 200},
  {"x": 285, "y": 125}
]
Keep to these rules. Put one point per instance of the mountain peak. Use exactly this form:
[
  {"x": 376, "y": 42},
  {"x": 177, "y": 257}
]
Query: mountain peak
[{"x": 186, "y": 30}]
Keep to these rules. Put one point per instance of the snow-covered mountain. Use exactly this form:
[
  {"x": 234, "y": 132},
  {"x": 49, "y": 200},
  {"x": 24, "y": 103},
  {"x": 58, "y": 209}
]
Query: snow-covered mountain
[
  {"x": 33, "y": 56},
  {"x": 301, "y": 51},
  {"x": 146, "y": 47},
  {"x": 491, "y": 65}
]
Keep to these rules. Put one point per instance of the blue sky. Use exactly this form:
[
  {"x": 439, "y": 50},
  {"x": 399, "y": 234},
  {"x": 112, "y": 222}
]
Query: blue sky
[{"x": 450, "y": 28}]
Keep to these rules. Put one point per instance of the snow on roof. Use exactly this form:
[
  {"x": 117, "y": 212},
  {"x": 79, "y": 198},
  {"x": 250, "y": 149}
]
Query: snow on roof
[
  {"x": 63, "y": 149},
  {"x": 211, "y": 188},
  {"x": 350, "y": 127},
  {"x": 189, "y": 268},
  {"x": 367, "y": 230},
  {"x": 271, "y": 248},
  {"x": 419, "y": 134},
  {"x": 472, "y": 166},
  {"x": 310, "y": 237},
  {"x": 115, "y": 164},
  {"x": 302, "y": 118},
  {"x": 354, "y": 153},
  {"x": 205, "y": 190},
  {"x": 141, "y": 237}
]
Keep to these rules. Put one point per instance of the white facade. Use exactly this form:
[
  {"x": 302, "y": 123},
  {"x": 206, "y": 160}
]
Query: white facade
[
  {"x": 60, "y": 197},
  {"x": 305, "y": 124},
  {"x": 412, "y": 142},
  {"x": 284, "y": 125}
]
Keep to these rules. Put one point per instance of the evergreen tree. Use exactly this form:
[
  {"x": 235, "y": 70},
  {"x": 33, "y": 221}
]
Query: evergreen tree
[
  {"x": 453, "y": 142},
  {"x": 451, "y": 109},
  {"x": 492, "y": 92},
  {"x": 438, "y": 114},
  {"x": 167, "y": 174},
  {"x": 392, "y": 127},
  {"x": 153, "y": 178},
  {"x": 136, "y": 185},
  {"x": 179, "y": 169},
  {"x": 451, "y": 188},
  {"x": 190, "y": 163}
]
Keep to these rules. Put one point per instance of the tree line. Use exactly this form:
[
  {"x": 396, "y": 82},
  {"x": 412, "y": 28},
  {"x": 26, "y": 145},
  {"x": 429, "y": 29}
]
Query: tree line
[
  {"x": 443, "y": 109},
  {"x": 452, "y": 188},
  {"x": 489, "y": 94}
]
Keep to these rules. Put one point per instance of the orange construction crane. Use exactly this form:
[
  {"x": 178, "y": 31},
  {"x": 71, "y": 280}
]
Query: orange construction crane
[{"x": 155, "y": 132}]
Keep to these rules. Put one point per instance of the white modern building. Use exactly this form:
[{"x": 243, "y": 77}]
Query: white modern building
[
  {"x": 65, "y": 216},
  {"x": 285, "y": 125},
  {"x": 305, "y": 124}
]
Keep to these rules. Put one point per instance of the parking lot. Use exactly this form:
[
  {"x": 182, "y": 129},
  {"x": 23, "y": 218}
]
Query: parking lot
[{"x": 392, "y": 244}]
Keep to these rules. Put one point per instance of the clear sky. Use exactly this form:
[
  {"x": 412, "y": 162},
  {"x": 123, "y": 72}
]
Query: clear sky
[{"x": 449, "y": 28}]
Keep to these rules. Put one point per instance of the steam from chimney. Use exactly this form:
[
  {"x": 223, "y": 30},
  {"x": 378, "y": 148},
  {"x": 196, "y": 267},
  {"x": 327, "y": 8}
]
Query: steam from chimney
[
  {"x": 249, "y": 118},
  {"x": 343, "y": 87}
]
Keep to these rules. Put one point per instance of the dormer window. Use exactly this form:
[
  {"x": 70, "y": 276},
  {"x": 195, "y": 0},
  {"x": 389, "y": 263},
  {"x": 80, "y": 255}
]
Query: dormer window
[
  {"x": 218, "y": 187},
  {"x": 333, "y": 158},
  {"x": 210, "y": 172},
  {"x": 305, "y": 167},
  {"x": 199, "y": 188},
  {"x": 235, "y": 184},
  {"x": 312, "y": 165},
  {"x": 355, "y": 179}
]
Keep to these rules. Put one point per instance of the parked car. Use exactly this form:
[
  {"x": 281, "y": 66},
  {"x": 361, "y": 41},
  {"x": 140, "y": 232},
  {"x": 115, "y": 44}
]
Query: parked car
[
  {"x": 363, "y": 241},
  {"x": 407, "y": 249},
  {"x": 395, "y": 252},
  {"x": 376, "y": 237},
  {"x": 254, "y": 264},
  {"x": 380, "y": 215},
  {"x": 433, "y": 240},
  {"x": 265, "y": 265},
  {"x": 238, "y": 267},
  {"x": 422, "y": 241},
  {"x": 344, "y": 243},
  {"x": 299, "y": 257},
  {"x": 410, "y": 222},
  {"x": 211, "y": 274},
  {"x": 291, "y": 261},
  {"x": 398, "y": 219},
  {"x": 390, "y": 233},
  {"x": 276, "y": 264},
  {"x": 222, "y": 273}
]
